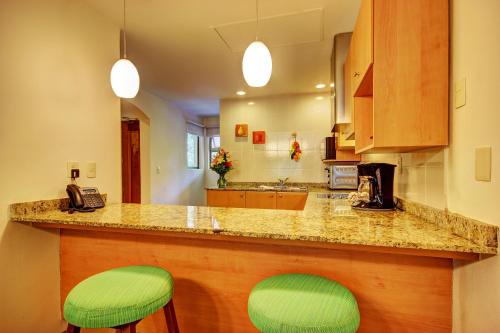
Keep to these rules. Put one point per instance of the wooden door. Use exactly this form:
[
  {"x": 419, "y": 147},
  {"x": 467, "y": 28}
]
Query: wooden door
[
  {"x": 236, "y": 199},
  {"x": 291, "y": 200},
  {"x": 411, "y": 74},
  {"x": 362, "y": 44},
  {"x": 217, "y": 198},
  {"x": 266, "y": 200},
  {"x": 131, "y": 161}
]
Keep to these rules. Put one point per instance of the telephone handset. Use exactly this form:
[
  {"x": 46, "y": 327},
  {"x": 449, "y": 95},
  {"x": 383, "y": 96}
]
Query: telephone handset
[{"x": 85, "y": 199}]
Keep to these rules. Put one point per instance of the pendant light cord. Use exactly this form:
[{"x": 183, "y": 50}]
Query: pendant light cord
[
  {"x": 257, "y": 21},
  {"x": 124, "y": 30}
]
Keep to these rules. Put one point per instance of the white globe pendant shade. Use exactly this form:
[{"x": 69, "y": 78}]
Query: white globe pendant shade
[
  {"x": 257, "y": 64},
  {"x": 125, "y": 79}
]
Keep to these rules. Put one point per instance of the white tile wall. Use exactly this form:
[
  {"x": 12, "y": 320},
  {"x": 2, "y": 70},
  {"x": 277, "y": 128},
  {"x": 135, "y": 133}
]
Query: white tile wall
[
  {"x": 279, "y": 116},
  {"x": 422, "y": 178}
]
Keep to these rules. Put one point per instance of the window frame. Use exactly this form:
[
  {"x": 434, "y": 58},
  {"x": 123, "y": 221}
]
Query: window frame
[
  {"x": 197, "y": 151},
  {"x": 212, "y": 149}
]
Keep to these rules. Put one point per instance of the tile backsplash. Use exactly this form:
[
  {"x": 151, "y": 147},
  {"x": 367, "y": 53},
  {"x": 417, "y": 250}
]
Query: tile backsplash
[
  {"x": 419, "y": 177},
  {"x": 270, "y": 161},
  {"x": 278, "y": 116}
]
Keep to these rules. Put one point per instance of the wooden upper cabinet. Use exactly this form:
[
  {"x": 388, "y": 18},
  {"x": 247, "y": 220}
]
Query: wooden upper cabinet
[
  {"x": 362, "y": 45},
  {"x": 265, "y": 200},
  {"x": 291, "y": 200},
  {"x": 348, "y": 101},
  {"x": 401, "y": 101},
  {"x": 236, "y": 199}
]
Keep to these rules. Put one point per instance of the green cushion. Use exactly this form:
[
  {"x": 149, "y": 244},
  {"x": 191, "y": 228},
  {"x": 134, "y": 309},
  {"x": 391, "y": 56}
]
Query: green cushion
[
  {"x": 118, "y": 296},
  {"x": 299, "y": 303}
]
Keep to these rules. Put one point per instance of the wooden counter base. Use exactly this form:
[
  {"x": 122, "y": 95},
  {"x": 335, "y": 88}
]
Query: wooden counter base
[{"x": 213, "y": 278}]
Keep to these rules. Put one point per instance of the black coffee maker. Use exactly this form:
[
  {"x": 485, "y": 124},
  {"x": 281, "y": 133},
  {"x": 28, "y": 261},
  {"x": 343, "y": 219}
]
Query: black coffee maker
[{"x": 380, "y": 181}]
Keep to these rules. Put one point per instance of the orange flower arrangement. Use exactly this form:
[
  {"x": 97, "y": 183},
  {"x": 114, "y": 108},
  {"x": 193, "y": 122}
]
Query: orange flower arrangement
[{"x": 222, "y": 164}]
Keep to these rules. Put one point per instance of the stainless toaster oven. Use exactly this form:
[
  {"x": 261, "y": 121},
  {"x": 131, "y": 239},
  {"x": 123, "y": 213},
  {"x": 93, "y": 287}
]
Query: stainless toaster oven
[{"x": 343, "y": 176}]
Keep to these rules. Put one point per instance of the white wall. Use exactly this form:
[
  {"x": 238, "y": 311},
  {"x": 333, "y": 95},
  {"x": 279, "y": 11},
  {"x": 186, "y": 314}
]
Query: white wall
[
  {"x": 212, "y": 125},
  {"x": 56, "y": 105},
  {"x": 476, "y": 54},
  {"x": 129, "y": 110},
  {"x": 174, "y": 183},
  {"x": 279, "y": 116},
  {"x": 445, "y": 178}
]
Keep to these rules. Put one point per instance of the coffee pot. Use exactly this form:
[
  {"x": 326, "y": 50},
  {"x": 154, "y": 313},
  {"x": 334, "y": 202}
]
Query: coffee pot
[{"x": 377, "y": 181}]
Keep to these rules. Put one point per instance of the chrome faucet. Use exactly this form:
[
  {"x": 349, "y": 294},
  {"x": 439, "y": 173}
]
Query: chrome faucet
[{"x": 282, "y": 182}]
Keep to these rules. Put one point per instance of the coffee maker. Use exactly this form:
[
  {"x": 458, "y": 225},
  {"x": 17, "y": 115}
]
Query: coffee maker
[{"x": 377, "y": 179}]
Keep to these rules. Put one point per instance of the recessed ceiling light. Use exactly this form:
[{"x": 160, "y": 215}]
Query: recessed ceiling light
[
  {"x": 320, "y": 85},
  {"x": 251, "y": 103},
  {"x": 241, "y": 93},
  {"x": 332, "y": 85},
  {"x": 319, "y": 98}
]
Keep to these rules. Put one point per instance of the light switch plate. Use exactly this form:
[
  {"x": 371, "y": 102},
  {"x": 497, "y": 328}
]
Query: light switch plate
[
  {"x": 483, "y": 164},
  {"x": 460, "y": 93},
  {"x": 72, "y": 165},
  {"x": 91, "y": 169}
]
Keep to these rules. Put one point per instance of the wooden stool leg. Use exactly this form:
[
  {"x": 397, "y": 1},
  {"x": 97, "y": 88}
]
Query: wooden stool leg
[
  {"x": 170, "y": 317},
  {"x": 72, "y": 329},
  {"x": 128, "y": 328}
]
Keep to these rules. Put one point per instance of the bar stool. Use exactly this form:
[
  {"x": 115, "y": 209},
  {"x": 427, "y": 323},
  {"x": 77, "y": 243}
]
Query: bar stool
[
  {"x": 120, "y": 298},
  {"x": 301, "y": 303}
]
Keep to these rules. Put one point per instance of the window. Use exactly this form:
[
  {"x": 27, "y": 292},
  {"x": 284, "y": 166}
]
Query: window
[
  {"x": 213, "y": 147},
  {"x": 193, "y": 142}
]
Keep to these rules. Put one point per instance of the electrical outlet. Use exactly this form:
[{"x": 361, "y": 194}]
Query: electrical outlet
[
  {"x": 91, "y": 169},
  {"x": 72, "y": 165}
]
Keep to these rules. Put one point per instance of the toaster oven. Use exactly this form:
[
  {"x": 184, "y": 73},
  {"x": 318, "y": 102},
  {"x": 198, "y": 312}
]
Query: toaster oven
[{"x": 343, "y": 176}]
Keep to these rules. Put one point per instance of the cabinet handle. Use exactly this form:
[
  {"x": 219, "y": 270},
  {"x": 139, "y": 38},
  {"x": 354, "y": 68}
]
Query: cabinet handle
[
  {"x": 241, "y": 195},
  {"x": 356, "y": 74},
  {"x": 371, "y": 137}
]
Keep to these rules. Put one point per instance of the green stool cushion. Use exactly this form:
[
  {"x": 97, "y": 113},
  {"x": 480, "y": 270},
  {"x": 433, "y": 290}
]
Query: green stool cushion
[
  {"x": 299, "y": 303},
  {"x": 118, "y": 296}
]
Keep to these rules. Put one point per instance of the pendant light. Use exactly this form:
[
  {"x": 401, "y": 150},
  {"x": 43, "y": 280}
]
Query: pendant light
[
  {"x": 257, "y": 62},
  {"x": 124, "y": 76}
]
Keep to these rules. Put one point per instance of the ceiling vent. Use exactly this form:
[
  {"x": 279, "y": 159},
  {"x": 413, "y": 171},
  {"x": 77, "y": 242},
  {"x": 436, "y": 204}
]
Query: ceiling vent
[{"x": 276, "y": 31}]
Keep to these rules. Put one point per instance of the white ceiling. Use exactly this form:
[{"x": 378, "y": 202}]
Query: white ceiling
[{"x": 190, "y": 51}]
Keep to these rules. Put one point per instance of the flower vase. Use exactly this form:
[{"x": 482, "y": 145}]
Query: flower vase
[{"x": 222, "y": 182}]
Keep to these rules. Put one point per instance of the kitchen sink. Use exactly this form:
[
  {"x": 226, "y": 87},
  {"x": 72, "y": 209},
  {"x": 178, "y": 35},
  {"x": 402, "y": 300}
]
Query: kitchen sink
[{"x": 282, "y": 188}]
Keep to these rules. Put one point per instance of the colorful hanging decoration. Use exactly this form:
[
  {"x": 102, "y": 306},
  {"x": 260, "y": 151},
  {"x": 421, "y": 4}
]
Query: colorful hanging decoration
[{"x": 295, "y": 151}]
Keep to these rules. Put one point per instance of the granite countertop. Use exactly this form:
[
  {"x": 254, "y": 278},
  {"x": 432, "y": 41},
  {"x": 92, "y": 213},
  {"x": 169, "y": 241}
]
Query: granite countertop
[
  {"x": 260, "y": 189},
  {"x": 323, "y": 220},
  {"x": 273, "y": 187}
]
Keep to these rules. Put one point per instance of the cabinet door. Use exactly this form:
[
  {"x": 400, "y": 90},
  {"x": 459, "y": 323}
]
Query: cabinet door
[
  {"x": 362, "y": 44},
  {"x": 261, "y": 200},
  {"x": 291, "y": 200},
  {"x": 216, "y": 198},
  {"x": 348, "y": 93},
  {"x": 236, "y": 199}
]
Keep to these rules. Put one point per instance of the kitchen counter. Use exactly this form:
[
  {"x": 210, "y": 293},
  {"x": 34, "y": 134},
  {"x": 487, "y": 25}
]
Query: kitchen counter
[
  {"x": 389, "y": 260},
  {"x": 323, "y": 220}
]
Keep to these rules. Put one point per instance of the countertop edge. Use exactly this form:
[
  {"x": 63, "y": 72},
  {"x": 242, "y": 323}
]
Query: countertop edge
[{"x": 448, "y": 252}]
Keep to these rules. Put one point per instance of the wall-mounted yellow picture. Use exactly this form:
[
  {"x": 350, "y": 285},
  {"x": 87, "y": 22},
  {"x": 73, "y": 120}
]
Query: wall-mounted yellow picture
[{"x": 241, "y": 131}]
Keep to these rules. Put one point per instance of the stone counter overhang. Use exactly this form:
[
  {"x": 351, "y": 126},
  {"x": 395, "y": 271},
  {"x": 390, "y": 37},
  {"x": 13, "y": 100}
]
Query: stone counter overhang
[{"x": 323, "y": 222}]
